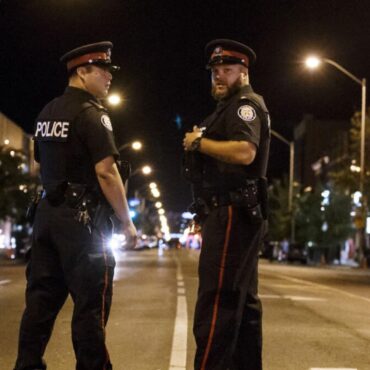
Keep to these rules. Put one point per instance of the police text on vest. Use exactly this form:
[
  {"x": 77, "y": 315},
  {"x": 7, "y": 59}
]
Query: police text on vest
[{"x": 52, "y": 129}]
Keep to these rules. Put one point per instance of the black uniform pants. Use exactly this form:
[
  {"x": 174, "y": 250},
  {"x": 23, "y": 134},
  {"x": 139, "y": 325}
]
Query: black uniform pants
[
  {"x": 66, "y": 259},
  {"x": 228, "y": 313}
]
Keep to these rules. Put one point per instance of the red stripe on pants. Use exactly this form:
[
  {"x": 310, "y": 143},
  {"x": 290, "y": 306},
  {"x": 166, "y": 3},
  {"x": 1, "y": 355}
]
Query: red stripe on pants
[{"x": 220, "y": 282}]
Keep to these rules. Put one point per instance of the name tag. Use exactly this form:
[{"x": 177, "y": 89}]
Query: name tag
[{"x": 52, "y": 130}]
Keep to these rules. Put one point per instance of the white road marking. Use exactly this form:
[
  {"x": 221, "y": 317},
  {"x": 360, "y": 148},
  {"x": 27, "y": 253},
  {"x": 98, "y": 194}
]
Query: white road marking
[
  {"x": 295, "y": 280},
  {"x": 332, "y": 368},
  {"x": 269, "y": 296},
  {"x": 299, "y": 298},
  {"x": 4, "y": 282},
  {"x": 292, "y": 297},
  {"x": 180, "y": 332}
]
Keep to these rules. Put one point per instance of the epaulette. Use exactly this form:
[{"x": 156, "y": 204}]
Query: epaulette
[{"x": 93, "y": 103}]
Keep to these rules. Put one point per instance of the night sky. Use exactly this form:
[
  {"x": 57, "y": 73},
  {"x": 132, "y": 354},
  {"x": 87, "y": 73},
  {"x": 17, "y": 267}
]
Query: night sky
[{"x": 159, "y": 46}]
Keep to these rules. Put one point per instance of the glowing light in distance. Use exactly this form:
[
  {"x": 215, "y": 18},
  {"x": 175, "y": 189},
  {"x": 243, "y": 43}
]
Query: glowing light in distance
[
  {"x": 136, "y": 145},
  {"x": 114, "y": 99},
  {"x": 146, "y": 170},
  {"x": 312, "y": 62}
]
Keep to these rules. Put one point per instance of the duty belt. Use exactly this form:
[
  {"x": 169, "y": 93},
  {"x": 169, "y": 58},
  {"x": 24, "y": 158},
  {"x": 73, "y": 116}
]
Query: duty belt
[
  {"x": 72, "y": 194},
  {"x": 247, "y": 196}
]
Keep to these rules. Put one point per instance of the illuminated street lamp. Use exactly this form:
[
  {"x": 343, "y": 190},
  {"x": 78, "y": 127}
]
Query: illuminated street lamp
[
  {"x": 114, "y": 99},
  {"x": 155, "y": 193},
  {"x": 135, "y": 145},
  {"x": 146, "y": 170},
  {"x": 313, "y": 62},
  {"x": 153, "y": 185},
  {"x": 161, "y": 211},
  {"x": 158, "y": 204}
]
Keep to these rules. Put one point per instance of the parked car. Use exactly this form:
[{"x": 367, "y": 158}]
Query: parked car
[{"x": 270, "y": 250}]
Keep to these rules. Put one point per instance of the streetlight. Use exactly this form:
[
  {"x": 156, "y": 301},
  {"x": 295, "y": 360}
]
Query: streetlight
[
  {"x": 291, "y": 180},
  {"x": 155, "y": 192},
  {"x": 145, "y": 170},
  {"x": 135, "y": 145},
  {"x": 158, "y": 205},
  {"x": 153, "y": 185},
  {"x": 313, "y": 62},
  {"x": 114, "y": 99}
]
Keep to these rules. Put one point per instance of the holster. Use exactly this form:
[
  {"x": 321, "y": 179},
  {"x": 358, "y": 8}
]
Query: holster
[
  {"x": 201, "y": 210},
  {"x": 31, "y": 209},
  {"x": 89, "y": 201},
  {"x": 74, "y": 194}
]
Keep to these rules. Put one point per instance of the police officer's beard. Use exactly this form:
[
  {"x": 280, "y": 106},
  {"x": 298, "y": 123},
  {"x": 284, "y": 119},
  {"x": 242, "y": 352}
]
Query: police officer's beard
[{"x": 228, "y": 91}]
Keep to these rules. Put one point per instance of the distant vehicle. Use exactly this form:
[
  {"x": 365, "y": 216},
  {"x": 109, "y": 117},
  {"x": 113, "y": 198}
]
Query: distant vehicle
[
  {"x": 270, "y": 250},
  {"x": 297, "y": 252},
  {"x": 146, "y": 242}
]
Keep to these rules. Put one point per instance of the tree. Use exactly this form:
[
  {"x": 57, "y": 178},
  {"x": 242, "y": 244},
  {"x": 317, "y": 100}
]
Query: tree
[
  {"x": 279, "y": 215},
  {"x": 16, "y": 185},
  {"x": 348, "y": 180},
  {"x": 326, "y": 224}
]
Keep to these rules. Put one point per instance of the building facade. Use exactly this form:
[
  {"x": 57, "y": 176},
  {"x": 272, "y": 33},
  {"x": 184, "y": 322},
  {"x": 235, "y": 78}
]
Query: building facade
[{"x": 320, "y": 146}]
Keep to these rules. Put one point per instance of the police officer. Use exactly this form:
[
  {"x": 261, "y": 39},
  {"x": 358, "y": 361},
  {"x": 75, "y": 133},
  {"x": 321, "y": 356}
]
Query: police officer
[
  {"x": 75, "y": 147},
  {"x": 226, "y": 160}
]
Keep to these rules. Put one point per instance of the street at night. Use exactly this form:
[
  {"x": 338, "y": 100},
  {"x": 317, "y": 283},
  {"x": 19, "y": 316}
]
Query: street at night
[
  {"x": 218, "y": 149},
  {"x": 314, "y": 317}
]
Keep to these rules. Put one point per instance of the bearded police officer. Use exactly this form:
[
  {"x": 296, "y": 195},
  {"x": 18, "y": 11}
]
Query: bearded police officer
[
  {"x": 226, "y": 160},
  {"x": 75, "y": 147}
]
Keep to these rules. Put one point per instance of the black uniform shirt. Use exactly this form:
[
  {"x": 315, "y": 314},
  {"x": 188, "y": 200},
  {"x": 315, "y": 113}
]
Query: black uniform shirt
[
  {"x": 241, "y": 117},
  {"x": 73, "y": 133}
]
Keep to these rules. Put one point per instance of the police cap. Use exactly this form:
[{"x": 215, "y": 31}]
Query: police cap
[
  {"x": 228, "y": 52},
  {"x": 98, "y": 54}
]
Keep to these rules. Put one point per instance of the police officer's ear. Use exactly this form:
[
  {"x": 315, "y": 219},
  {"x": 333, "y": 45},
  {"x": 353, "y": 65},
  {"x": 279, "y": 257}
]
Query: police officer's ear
[
  {"x": 80, "y": 72},
  {"x": 244, "y": 75}
]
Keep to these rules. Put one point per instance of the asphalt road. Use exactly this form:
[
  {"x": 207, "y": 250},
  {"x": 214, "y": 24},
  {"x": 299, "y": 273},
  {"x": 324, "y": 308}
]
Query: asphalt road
[{"x": 314, "y": 318}]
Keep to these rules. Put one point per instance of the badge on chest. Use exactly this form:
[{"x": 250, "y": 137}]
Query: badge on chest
[{"x": 52, "y": 130}]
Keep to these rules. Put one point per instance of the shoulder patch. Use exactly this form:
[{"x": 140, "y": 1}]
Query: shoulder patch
[
  {"x": 105, "y": 120},
  {"x": 247, "y": 113}
]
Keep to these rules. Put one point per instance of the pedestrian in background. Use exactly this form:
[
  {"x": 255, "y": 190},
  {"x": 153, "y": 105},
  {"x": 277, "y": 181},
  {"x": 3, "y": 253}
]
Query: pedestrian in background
[
  {"x": 226, "y": 161},
  {"x": 75, "y": 147}
]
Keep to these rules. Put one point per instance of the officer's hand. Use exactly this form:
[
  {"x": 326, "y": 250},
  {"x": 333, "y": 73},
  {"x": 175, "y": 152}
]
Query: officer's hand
[
  {"x": 131, "y": 235},
  {"x": 191, "y": 136}
]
